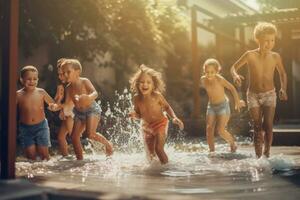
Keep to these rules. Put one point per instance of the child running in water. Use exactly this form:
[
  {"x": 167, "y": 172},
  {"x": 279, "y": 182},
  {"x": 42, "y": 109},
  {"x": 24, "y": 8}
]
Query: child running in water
[
  {"x": 149, "y": 106},
  {"x": 82, "y": 94},
  {"x": 66, "y": 114},
  {"x": 261, "y": 95},
  {"x": 218, "y": 108},
  {"x": 34, "y": 131}
]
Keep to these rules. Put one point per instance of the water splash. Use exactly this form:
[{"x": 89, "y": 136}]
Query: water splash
[
  {"x": 123, "y": 131},
  {"x": 188, "y": 160}
]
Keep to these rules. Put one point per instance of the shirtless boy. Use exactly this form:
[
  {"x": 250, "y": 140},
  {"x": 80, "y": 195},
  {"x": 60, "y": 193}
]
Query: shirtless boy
[
  {"x": 34, "y": 132},
  {"x": 82, "y": 94},
  {"x": 261, "y": 96}
]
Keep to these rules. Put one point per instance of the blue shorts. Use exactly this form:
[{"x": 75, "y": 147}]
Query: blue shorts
[
  {"x": 94, "y": 109},
  {"x": 37, "y": 134},
  {"x": 218, "y": 109}
]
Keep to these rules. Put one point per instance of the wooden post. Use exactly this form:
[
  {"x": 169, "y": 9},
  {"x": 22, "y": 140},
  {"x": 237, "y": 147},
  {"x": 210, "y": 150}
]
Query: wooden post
[
  {"x": 10, "y": 26},
  {"x": 219, "y": 48},
  {"x": 242, "y": 38},
  {"x": 285, "y": 108},
  {"x": 195, "y": 64}
]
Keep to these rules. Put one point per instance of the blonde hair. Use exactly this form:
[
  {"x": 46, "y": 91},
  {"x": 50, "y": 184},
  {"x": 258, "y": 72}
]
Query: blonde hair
[
  {"x": 213, "y": 62},
  {"x": 264, "y": 28},
  {"x": 156, "y": 76},
  {"x": 28, "y": 68},
  {"x": 59, "y": 62},
  {"x": 73, "y": 62}
]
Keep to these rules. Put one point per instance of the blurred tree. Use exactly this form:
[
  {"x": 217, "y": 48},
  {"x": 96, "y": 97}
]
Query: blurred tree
[
  {"x": 131, "y": 30},
  {"x": 271, "y": 4}
]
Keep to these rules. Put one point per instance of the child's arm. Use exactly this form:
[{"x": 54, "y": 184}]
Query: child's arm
[
  {"x": 48, "y": 99},
  {"x": 59, "y": 94},
  {"x": 171, "y": 112},
  {"x": 68, "y": 100},
  {"x": 92, "y": 93},
  {"x": 135, "y": 114},
  {"x": 237, "y": 79},
  {"x": 231, "y": 88},
  {"x": 283, "y": 78}
]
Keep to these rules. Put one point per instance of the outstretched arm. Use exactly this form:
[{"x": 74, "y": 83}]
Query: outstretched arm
[
  {"x": 237, "y": 79},
  {"x": 170, "y": 112},
  {"x": 48, "y": 99},
  {"x": 231, "y": 88},
  {"x": 135, "y": 114},
  {"x": 283, "y": 78}
]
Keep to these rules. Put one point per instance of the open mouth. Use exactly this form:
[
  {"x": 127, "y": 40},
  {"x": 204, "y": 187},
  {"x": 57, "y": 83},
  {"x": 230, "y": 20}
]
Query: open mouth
[{"x": 145, "y": 89}]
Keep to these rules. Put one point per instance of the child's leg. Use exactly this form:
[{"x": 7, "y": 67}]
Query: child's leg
[
  {"x": 222, "y": 121},
  {"x": 76, "y": 133},
  {"x": 210, "y": 131},
  {"x": 69, "y": 124},
  {"x": 268, "y": 113},
  {"x": 30, "y": 152},
  {"x": 160, "y": 139},
  {"x": 43, "y": 152},
  {"x": 91, "y": 128},
  {"x": 150, "y": 144},
  {"x": 256, "y": 117},
  {"x": 61, "y": 137}
]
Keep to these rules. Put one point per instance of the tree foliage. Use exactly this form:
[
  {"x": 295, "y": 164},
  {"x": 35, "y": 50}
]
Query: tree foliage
[
  {"x": 271, "y": 4},
  {"x": 137, "y": 30}
]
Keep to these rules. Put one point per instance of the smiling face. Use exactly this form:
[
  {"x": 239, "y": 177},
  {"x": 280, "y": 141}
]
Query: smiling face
[
  {"x": 30, "y": 80},
  {"x": 146, "y": 84},
  {"x": 210, "y": 71},
  {"x": 266, "y": 42}
]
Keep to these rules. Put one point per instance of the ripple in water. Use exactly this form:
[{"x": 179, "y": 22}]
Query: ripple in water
[{"x": 187, "y": 159}]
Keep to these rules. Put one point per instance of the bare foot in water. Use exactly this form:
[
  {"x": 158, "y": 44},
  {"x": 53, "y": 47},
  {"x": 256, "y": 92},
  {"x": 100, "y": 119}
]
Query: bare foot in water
[
  {"x": 233, "y": 148},
  {"x": 109, "y": 149},
  {"x": 267, "y": 154}
]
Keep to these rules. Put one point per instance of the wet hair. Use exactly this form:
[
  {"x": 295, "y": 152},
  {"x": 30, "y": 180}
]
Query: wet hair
[
  {"x": 156, "y": 76},
  {"x": 59, "y": 62},
  {"x": 264, "y": 28},
  {"x": 28, "y": 68},
  {"x": 73, "y": 62},
  {"x": 213, "y": 62}
]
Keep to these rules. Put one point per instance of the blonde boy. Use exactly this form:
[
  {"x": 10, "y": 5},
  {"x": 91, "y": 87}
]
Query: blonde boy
[
  {"x": 261, "y": 96},
  {"x": 82, "y": 94}
]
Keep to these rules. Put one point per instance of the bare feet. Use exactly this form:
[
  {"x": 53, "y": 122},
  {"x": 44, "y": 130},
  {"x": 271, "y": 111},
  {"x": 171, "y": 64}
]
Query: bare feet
[
  {"x": 109, "y": 149},
  {"x": 267, "y": 154},
  {"x": 233, "y": 148},
  {"x": 211, "y": 153}
]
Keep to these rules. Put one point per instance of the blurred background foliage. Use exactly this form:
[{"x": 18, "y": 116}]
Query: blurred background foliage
[{"x": 133, "y": 32}]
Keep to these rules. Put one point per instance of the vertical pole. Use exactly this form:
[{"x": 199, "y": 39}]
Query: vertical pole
[
  {"x": 219, "y": 47},
  {"x": 195, "y": 67},
  {"x": 10, "y": 24},
  {"x": 287, "y": 109},
  {"x": 242, "y": 38}
]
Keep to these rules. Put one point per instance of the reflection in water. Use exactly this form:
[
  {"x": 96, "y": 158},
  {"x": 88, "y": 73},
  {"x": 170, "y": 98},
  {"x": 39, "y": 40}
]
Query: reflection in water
[
  {"x": 191, "y": 170},
  {"x": 193, "y": 173}
]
